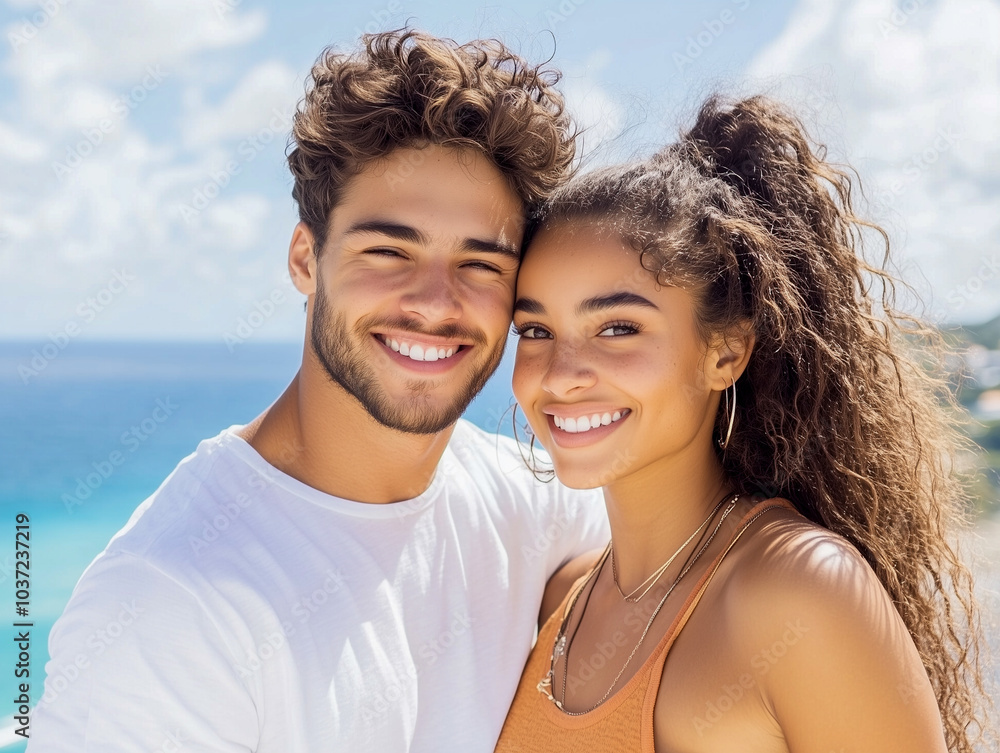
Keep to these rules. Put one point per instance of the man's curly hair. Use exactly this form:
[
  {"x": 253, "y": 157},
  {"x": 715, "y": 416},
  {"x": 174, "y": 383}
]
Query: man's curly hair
[{"x": 407, "y": 89}]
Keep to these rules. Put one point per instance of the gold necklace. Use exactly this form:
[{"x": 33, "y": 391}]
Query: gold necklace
[
  {"x": 560, "y": 647},
  {"x": 655, "y": 576}
]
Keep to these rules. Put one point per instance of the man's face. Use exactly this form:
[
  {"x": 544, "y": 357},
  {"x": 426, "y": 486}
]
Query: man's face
[{"x": 415, "y": 285}]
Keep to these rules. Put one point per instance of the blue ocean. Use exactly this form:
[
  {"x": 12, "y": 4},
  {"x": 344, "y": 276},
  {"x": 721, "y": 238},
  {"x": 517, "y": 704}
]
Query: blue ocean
[{"x": 89, "y": 431}]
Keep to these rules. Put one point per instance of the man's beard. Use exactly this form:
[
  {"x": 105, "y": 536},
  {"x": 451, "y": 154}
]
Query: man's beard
[{"x": 331, "y": 340}]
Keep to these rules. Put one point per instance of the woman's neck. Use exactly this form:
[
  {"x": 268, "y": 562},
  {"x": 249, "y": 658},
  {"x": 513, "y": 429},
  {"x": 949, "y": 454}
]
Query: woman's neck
[{"x": 655, "y": 510}]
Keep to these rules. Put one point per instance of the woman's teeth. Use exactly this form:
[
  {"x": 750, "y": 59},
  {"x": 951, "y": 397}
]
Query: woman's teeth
[
  {"x": 586, "y": 423},
  {"x": 419, "y": 352}
]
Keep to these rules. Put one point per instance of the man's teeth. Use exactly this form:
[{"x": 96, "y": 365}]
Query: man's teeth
[
  {"x": 586, "y": 423},
  {"x": 418, "y": 352}
]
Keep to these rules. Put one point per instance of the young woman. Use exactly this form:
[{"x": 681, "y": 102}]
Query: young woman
[{"x": 701, "y": 336}]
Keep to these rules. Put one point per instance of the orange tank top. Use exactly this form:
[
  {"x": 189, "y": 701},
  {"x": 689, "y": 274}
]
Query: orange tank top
[{"x": 625, "y": 720}]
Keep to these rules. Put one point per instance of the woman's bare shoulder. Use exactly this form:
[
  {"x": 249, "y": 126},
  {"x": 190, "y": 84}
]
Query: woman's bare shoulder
[
  {"x": 788, "y": 565},
  {"x": 806, "y": 599},
  {"x": 563, "y": 580},
  {"x": 790, "y": 553}
]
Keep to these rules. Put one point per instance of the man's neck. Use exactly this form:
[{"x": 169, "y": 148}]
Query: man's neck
[{"x": 320, "y": 435}]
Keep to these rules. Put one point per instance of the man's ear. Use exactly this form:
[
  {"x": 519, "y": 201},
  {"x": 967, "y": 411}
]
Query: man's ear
[
  {"x": 302, "y": 259},
  {"x": 729, "y": 355}
]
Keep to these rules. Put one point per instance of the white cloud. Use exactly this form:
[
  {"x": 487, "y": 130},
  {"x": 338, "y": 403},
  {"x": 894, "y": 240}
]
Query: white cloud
[
  {"x": 265, "y": 90},
  {"x": 237, "y": 223},
  {"x": 20, "y": 147},
  {"x": 909, "y": 92},
  {"x": 92, "y": 182},
  {"x": 114, "y": 40}
]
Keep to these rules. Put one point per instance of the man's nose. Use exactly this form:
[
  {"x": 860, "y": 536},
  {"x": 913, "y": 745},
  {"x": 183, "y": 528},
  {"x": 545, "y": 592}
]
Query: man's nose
[{"x": 433, "y": 294}]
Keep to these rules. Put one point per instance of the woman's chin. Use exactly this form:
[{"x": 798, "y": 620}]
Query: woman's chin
[{"x": 580, "y": 476}]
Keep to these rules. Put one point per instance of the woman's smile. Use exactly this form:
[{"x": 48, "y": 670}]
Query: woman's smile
[{"x": 581, "y": 430}]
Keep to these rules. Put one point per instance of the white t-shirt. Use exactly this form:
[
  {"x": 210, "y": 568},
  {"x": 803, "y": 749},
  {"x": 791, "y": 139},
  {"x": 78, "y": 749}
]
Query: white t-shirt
[{"x": 241, "y": 610}]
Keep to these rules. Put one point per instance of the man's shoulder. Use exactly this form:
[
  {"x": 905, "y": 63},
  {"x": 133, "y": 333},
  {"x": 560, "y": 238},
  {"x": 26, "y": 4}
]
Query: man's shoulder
[{"x": 200, "y": 485}]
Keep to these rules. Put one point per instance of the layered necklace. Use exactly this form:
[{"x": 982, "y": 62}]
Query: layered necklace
[
  {"x": 655, "y": 576},
  {"x": 563, "y": 644}
]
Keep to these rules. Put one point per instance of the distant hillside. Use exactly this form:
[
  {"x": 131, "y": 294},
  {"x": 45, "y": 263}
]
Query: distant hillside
[{"x": 986, "y": 334}]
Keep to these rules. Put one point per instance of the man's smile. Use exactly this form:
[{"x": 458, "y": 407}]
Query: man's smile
[{"x": 420, "y": 351}]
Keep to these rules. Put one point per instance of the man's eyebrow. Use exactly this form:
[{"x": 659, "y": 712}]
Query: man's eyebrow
[
  {"x": 388, "y": 229},
  {"x": 598, "y": 303},
  {"x": 410, "y": 234},
  {"x": 491, "y": 247}
]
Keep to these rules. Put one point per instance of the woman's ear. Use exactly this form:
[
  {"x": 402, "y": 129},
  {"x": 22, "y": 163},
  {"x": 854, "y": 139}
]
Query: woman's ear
[
  {"x": 302, "y": 259},
  {"x": 729, "y": 355}
]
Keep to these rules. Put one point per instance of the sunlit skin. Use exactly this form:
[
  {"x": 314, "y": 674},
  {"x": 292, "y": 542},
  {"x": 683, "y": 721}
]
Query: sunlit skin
[
  {"x": 795, "y": 646},
  {"x": 422, "y": 248}
]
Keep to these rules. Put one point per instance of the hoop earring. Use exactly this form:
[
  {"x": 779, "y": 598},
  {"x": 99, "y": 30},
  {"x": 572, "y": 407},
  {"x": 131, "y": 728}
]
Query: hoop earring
[
  {"x": 542, "y": 474},
  {"x": 731, "y": 410}
]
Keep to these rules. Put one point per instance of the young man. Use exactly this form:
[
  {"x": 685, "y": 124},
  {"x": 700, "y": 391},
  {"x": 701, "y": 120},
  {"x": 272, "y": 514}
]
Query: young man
[{"x": 357, "y": 568}]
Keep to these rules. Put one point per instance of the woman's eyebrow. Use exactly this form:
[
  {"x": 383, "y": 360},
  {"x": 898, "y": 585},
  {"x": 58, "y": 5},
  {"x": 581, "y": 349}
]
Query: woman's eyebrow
[
  {"x": 528, "y": 306},
  {"x": 614, "y": 300},
  {"x": 590, "y": 305}
]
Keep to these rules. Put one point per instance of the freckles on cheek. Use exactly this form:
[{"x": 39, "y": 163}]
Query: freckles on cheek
[
  {"x": 496, "y": 310},
  {"x": 527, "y": 377},
  {"x": 634, "y": 366}
]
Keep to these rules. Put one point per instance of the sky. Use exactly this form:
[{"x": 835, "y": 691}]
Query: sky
[{"x": 144, "y": 195}]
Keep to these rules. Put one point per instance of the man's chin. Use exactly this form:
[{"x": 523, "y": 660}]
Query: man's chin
[{"x": 409, "y": 421}]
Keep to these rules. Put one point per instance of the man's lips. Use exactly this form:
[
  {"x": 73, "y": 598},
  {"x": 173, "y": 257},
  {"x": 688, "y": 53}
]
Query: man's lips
[
  {"x": 420, "y": 349},
  {"x": 423, "y": 355}
]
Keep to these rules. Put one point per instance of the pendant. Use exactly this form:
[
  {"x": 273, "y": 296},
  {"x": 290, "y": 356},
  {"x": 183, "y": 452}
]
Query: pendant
[
  {"x": 560, "y": 646},
  {"x": 545, "y": 685}
]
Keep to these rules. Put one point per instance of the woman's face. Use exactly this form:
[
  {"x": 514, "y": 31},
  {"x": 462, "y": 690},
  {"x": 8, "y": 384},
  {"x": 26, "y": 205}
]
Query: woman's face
[{"x": 611, "y": 370}]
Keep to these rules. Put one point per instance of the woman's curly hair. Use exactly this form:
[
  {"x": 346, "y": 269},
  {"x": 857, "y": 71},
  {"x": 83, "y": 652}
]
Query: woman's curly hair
[
  {"x": 839, "y": 409},
  {"x": 409, "y": 89}
]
